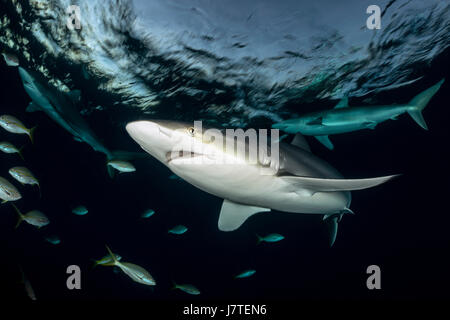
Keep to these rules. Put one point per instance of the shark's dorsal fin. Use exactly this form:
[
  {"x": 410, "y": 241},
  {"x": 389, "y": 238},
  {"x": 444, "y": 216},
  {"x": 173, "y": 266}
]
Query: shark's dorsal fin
[
  {"x": 233, "y": 215},
  {"x": 284, "y": 136},
  {"x": 325, "y": 141},
  {"x": 331, "y": 185},
  {"x": 342, "y": 104},
  {"x": 300, "y": 141},
  {"x": 32, "y": 107}
]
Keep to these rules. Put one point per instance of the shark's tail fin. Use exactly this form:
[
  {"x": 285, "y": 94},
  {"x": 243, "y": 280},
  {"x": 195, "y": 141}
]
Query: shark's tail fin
[{"x": 419, "y": 102}]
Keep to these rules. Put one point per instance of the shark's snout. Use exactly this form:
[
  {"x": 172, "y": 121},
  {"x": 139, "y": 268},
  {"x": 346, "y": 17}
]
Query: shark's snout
[
  {"x": 26, "y": 77},
  {"x": 141, "y": 130},
  {"x": 153, "y": 137}
]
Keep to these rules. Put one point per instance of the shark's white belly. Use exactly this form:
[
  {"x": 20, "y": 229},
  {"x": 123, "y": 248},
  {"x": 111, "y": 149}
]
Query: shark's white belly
[{"x": 245, "y": 184}]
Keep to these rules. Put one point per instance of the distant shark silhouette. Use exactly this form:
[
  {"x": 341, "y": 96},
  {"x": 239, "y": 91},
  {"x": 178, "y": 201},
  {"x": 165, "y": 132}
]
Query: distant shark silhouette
[
  {"x": 344, "y": 119},
  {"x": 61, "y": 107}
]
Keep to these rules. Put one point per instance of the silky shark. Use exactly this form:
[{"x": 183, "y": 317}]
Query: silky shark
[
  {"x": 61, "y": 107},
  {"x": 344, "y": 119},
  {"x": 296, "y": 181}
]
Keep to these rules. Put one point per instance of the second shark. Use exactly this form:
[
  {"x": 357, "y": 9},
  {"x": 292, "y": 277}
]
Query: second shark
[{"x": 343, "y": 119}]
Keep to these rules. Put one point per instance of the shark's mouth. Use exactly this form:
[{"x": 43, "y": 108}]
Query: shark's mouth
[{"x": 181, "y": 154}]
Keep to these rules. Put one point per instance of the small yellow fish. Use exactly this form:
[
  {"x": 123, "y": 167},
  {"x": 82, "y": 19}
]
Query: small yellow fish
[
  {"x": 24, "y": 176},
  {"x": 122, "y": 166},
  {"x": 14, "y": 125},
  {"x": 34, "y": 217},
  {"x": 135, "y": 272},
  {"x": 8, "y": 147},
  {"x": 106, "y": 260},
  {"x": 8, "y": 192}
]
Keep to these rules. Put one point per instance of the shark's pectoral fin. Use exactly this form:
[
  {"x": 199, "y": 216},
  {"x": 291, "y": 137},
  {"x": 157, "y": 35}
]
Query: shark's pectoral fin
[
  {"x": 32, "y": 107},
  {"x": 233, "y": 215},
  {"x": 331, "y": 185},
  {"x": 325, "y": 141}
]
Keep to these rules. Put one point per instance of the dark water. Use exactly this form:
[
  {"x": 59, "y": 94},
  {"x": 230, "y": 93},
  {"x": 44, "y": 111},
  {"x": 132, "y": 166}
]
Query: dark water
[{"x": 401, "y": 226}]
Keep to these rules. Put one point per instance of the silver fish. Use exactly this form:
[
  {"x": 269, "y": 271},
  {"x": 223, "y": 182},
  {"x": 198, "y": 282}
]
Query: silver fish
[
  {"x": 8, "y": 192},
  {"x": 188, "y": 288},
  {"x": 122, "y": 166},
  {"x": 80, "y": 210},
  {"x": 28, "y": 288},
  {"x": 8, "y": 147},
  {"x": 135, "y": 272},
  {"x": 33, "y": 217},
  {"x": 14, "y": 125},
  {"x": 180, "y": 229},
  {"x": 245, "y": 274},
  {"x": 24, "y": 176},
  {"x": 148, "y": 213},
  {"x": 273, "y": 237},
  {"x": 10, "y": 59}
]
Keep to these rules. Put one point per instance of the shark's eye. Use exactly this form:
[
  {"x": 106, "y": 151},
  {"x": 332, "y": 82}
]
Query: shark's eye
[{"x": 191, "y": 131}]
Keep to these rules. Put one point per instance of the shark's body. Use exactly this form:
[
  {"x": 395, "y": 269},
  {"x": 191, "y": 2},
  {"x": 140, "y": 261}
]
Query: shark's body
[
  {"x": 60, "y": 107},
  {"x": 343, "y": 119},
  {"x": 296, "y": 181}
]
